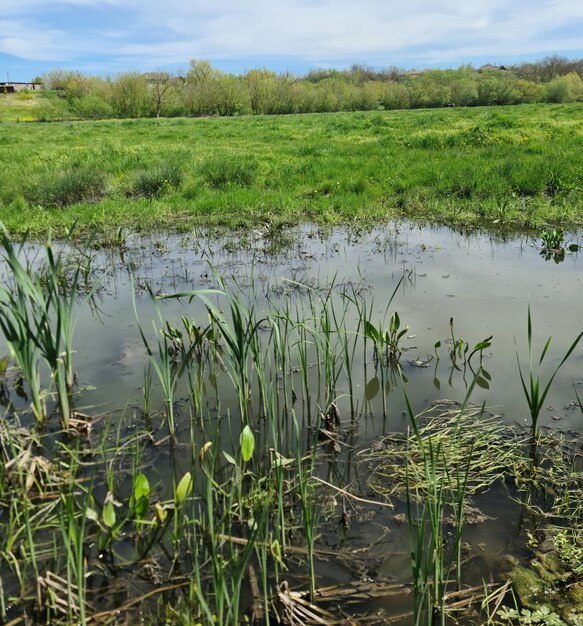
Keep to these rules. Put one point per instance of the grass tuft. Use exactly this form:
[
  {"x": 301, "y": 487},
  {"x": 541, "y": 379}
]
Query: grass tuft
[
  {"x": 154, "y": 182},
  {"x": 55, "y": 190},
  {"x": 223, "y": 172}
]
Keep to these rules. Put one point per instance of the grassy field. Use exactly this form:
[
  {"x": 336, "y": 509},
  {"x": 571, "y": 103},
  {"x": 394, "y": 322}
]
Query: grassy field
[
  {"x": 520, "y": 165},
  {"x": 27, "y": 106}
]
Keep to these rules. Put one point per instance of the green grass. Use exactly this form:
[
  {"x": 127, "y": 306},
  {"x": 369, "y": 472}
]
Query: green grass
[
  {"x": 510, "y": 166},
  {"x": 27, "y": 106}
]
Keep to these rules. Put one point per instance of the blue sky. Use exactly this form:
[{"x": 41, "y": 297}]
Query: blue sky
[{"x": 108, "y": 36}]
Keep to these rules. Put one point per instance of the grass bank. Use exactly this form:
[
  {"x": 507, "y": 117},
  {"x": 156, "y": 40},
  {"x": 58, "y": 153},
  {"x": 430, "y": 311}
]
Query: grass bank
[{"x": 478, "y": 166}]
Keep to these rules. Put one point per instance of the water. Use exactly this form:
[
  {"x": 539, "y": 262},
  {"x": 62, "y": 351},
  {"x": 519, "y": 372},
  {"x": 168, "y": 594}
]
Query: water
[{"x": 485, "y": 283}]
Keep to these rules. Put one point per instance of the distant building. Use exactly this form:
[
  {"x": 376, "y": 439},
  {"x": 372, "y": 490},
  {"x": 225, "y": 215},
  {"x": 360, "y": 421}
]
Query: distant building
[
  {"x": 492, "y": 68},
  {"x": 163, "y": 77},
  {"x": 12, "y": 87}
]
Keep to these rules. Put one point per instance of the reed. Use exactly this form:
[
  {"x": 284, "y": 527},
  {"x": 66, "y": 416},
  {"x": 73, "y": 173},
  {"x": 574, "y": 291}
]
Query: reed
[
  {"x": 19, "y": 304},
  {"x": 38, "y": 315},
  {"x": 535, "y": 391},
  {"x": 443, "y": 485},
  {"x": 239, "y": 332},
  {"x": 307, "y": 505}
]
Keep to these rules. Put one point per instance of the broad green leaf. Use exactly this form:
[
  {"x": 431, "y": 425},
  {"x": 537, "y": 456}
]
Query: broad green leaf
[
  {"x": 141, "y": 507},
  {"x": 183, "y": 488},
  {"x": 403, "y": 332},
  {"x": 395, "y": 322},
  {"x": 141, "y": 487},
  {"x": 247, "y": 443},
  {"x": 372, "y": 388},
  {"x": 371, "y": 332},
  {"x": 229, "y": 458},
  {"x": 482, "y": 345},
  {"x": 109, "y": 514},
  {"x": 91, "y": 514},
  {"x": 482, "y": 382},
  {"x": 141, "y": 496}
]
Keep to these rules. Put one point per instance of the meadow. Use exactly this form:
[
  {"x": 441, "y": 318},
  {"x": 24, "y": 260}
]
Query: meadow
[{"x": 517, "y": 166}]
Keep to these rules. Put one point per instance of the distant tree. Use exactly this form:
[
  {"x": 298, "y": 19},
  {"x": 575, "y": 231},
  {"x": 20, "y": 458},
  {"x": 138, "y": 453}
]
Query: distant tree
[
  {"x": 317, "y": 75},
  {"x": 426, "y": 90},
  {"x": 391, "y": 73},
  {"x": 130, "y": 96},
  {"x": 231, "y": 96},
  {"x": 497, "y": 88},
  {"x": 161, "y": 86},
  {"x": 200, "y": 89},
  {"x": 260, "y": 84},
  {"x": 567, "y": 88},
  {"x": 553, "y": 66},
  {"x": 58, "y": 79},
  {"x": 530, "y": 91},
  {"x": 394, "y": 95},
  {"x": 366, "y": 96},
  {"x": 206, "y": 90},
  {"x": 464, "y": 92},
  {"x": 92, "y": 107}
]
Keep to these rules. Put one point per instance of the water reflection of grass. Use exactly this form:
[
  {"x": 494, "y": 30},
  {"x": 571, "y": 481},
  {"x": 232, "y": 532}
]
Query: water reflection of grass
[
  {"x": 208, "y": 508},
  {"x": 517, "y": 165}
]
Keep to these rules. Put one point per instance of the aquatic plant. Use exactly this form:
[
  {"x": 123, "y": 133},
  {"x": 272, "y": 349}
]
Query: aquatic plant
[
  {"x": 553, "y": 239},
  {"x": 554, "y": 245},
  {"x": 443, "y": 482},
  {"x": 239, "y": 334},
  {"x": 38, "y": 315},
  {"x": 162, "y": 364},
  {"x": 386, "y": 342},
  {"x": 535, "y": 392},
  {"x": 308, "y": 506}
]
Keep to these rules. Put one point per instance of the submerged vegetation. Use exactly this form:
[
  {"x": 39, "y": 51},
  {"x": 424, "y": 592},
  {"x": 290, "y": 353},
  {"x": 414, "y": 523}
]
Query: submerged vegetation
[
  {"x": 498, "y": 167},
  {"x": 235, "y": 486}
]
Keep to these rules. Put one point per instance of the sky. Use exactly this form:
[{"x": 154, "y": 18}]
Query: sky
[{"x": 108, "y": 36}]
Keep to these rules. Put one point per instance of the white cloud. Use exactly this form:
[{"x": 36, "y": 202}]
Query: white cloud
[{"x": 309, "y": 31}]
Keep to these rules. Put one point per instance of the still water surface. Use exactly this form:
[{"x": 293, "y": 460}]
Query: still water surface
[{"x": 484, "y": 282}]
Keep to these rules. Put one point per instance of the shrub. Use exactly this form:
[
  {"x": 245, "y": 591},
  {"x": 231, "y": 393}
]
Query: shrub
[
  {"x": 53, "y": 190},
  {"x": 154, "y": 182},
  {"x": 224, "y": 172},
  {"x": 567, "y": 88},
  {"x": 92, "y": 107}
]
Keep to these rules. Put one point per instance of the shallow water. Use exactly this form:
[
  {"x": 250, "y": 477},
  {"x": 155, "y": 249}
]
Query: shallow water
[{"x": 485, "y": 283}]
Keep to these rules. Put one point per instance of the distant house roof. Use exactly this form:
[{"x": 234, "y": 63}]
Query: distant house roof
[
  {"x": 156, "y": 77},
  {"x": 413, "y": 72},
  {"x": 12, "y": 86},
  {"x": 488, "y": 67}
]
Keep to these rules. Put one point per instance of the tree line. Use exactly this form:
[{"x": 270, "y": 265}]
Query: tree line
[{"x": 205, "y": 90}]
